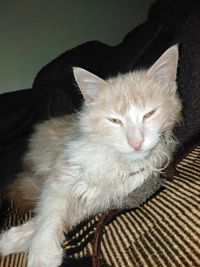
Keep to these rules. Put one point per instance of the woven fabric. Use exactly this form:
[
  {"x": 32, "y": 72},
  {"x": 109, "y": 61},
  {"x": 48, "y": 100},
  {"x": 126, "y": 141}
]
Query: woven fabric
[{"x": 164, "y": 232}]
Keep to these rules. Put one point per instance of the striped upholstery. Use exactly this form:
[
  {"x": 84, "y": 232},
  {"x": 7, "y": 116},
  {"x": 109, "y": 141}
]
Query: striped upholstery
[{"x": 164, "y": 232}]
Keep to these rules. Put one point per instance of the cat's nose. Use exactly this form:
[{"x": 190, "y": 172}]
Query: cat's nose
[{"x": 136, "y": 145}]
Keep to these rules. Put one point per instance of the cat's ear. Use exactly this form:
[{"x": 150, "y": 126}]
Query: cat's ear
[
  {"x": 88, "y": 83},
  {"x": 166, "y": 66}
]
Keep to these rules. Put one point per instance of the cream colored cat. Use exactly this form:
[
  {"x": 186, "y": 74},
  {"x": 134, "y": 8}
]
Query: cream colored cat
[{"x": 78, "y": 166}]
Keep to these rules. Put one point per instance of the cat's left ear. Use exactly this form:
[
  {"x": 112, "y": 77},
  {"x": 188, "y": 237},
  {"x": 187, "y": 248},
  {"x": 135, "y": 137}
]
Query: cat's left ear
[
  {"x": 166, "y": 66},
  {"x": 88, "y": 83}
]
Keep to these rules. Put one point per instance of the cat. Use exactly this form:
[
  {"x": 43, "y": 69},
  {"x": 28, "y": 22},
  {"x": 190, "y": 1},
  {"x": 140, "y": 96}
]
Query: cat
[{"x": 78, "y": 165}]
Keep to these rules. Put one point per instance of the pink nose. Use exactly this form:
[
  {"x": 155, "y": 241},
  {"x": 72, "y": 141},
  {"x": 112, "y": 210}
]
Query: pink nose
[{"x": 136, "y": 145}]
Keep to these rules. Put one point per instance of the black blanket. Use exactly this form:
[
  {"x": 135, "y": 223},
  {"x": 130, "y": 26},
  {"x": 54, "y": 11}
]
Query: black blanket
[{"x": 54, "y": 92}]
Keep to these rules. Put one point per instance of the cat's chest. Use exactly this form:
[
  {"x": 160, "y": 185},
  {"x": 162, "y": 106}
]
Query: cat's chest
[
  {"x": 111, "y": 181},
  {"x": 103, "y": 178},
  {"x": 105, "y": 169},
  {"x": 105, "y": 190}
]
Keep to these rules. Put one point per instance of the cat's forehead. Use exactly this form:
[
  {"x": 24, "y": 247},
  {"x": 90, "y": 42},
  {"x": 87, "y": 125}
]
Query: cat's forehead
[
  {"x": 137, "y": 90},
  {"x": 127, "y": 108},
  {"x": 132, "y": 95},
  {"x": 134, "y": 86}
]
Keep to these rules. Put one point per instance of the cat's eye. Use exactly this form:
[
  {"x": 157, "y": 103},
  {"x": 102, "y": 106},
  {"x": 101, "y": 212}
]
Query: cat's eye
[
  {"x": 149, "y": 114},
  {"x": 116, "y": 121}
]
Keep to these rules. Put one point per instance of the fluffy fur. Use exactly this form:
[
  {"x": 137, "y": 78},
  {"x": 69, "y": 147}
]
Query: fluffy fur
[{"x": 80, "y": 165}]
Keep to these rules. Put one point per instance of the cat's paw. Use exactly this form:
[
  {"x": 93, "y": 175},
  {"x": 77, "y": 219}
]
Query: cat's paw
[
  {"x": 6, "y": 247},
  {"x": 47, "y": 255},
  {"x": 9, "y": 240},
  {"x": 16, "y": 239}
]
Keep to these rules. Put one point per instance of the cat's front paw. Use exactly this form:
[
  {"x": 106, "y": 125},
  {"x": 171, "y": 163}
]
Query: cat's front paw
[
  {"x": 16, "y": 239},
  {"x": 46, "y": 255}
]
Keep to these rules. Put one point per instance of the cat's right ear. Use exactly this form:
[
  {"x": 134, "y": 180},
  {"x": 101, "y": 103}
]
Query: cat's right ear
[
  {"x": 165, "y": 68},
  {"x": 88, "y": 83}
]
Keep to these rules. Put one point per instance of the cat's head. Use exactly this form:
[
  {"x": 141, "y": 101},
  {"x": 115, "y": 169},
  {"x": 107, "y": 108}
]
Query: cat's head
[{"x": 130, "y": 112}]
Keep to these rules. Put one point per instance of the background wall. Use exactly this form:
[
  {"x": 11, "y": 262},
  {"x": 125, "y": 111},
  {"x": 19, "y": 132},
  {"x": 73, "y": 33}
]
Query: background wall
[{"x": 34, "y": 32}]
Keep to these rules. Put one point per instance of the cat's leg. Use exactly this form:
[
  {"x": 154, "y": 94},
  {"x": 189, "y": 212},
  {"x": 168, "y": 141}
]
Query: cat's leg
[
  {"x": 51, "y": 218},
  {"x": 17, "y": 239}
]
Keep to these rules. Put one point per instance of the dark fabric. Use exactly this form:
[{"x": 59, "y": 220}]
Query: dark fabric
[
  {"x": 54, "y": 91},
  {"x": 17, "y": 117}
]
